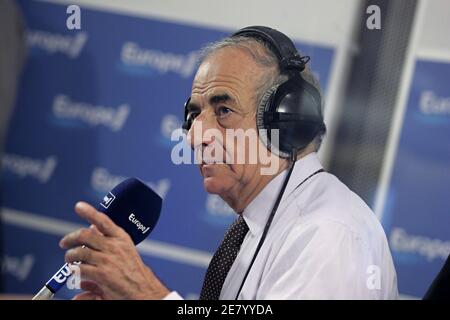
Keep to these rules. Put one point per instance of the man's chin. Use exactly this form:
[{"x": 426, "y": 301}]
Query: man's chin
[{"x": 215, "y": 185}]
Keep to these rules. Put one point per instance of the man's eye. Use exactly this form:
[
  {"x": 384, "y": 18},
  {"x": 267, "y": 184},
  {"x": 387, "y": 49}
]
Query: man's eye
[{"x": 223, "y": 111}]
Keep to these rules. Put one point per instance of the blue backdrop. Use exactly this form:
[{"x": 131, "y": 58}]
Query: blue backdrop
[
  {"x": 95, "y": 106},
  {"x": 416, "y": 215}
]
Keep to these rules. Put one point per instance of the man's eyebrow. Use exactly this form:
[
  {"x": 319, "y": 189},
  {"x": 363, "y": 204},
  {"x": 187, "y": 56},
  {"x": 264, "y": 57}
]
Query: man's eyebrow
[{"x": 220, "y": 98}]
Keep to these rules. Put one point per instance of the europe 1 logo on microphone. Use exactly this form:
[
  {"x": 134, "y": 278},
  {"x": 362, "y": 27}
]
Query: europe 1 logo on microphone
[
  {"x": 107, "y": 200},
  {"x": 138, "y": 224},
  {"x": 67, "y": 272}
]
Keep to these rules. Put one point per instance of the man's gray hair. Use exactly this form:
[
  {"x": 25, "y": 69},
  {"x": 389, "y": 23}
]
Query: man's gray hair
[{"x": 263, "y": 55}]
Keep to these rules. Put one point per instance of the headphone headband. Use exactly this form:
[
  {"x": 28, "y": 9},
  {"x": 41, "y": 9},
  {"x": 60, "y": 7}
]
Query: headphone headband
[{"x": 288, "y": 56}]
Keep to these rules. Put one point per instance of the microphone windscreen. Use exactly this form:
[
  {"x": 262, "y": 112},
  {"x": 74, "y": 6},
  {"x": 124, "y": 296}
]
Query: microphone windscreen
[{"x": 134, "y": 207}]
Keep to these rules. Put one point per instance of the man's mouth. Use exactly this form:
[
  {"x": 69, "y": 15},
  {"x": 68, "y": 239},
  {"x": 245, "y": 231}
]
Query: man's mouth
[
  {"x": 209, "y": 162},
  {"x": 207, "y": 166}
]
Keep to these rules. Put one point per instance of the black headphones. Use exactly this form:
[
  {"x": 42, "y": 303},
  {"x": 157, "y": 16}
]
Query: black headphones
[{"x": 294, "y": 107}]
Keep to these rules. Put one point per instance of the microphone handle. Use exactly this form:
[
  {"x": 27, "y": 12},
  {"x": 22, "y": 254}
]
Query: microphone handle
[
  {"x": 56, "y": 282},
  {"x": 44, "y": 294}
]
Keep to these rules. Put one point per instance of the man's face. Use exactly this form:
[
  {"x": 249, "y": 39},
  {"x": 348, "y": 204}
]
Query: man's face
[{"x": 223, "y": 97}]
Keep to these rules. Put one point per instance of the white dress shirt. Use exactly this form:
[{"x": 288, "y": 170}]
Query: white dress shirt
[{"x": 324, "y": 243}]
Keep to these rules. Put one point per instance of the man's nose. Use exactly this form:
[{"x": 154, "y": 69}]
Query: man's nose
[{"x": 196, "y": 134}]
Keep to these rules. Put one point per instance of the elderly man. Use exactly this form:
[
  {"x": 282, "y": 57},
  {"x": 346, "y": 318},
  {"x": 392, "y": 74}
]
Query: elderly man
[{"x": 299, "y": 234}]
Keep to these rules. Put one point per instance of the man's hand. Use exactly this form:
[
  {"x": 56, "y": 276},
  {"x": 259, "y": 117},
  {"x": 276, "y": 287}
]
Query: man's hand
[{"x": 111, "y": 267}]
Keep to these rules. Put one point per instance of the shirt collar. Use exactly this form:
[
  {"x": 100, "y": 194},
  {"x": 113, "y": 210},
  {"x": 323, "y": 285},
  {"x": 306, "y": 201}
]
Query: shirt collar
[{"x": 257, "y": 212}]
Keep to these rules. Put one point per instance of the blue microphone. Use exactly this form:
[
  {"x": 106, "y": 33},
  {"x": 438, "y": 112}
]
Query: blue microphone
[{"x": 131, "y": 205}]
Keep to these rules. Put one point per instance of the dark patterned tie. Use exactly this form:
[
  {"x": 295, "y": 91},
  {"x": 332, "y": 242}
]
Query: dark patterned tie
[{"x": 223, "y": 260}]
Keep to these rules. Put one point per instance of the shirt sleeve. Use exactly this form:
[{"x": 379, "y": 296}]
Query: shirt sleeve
[
  {"x": 173, "y": 296},
  {"x": 325, "y": 260}
]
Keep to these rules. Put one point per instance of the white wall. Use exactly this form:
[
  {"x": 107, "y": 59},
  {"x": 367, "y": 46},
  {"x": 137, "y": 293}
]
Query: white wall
[
  {"x": 434, "y": 39},
  {"x": 319, "y": 21}
]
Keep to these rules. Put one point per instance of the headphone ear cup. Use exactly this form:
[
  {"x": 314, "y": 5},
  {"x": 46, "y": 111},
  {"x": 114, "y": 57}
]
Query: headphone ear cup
[
  {"x": 263, "y": 131},
  {"x": 186, "y": 121},
  {"x": 289, "y": 116},
  {"x": 263, "y": 106}
]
